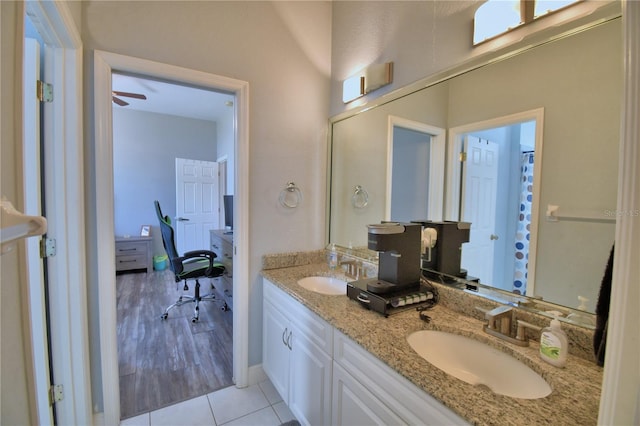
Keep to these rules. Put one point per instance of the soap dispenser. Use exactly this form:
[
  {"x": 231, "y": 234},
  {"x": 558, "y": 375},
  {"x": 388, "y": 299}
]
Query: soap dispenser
[
  {"x": 554, "y": 344},
  {"x": 332, "y": 256}
]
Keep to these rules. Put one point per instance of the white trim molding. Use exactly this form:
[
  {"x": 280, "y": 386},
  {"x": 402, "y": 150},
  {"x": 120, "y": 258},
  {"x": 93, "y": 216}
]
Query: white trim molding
[
  {"x": 436, "y": 163},
  {"x": 621, "y": 383},
  {"x": 64, "y": 196},
  {"x": 454, "y": 174},
  {"x": 104, "y": 64}
]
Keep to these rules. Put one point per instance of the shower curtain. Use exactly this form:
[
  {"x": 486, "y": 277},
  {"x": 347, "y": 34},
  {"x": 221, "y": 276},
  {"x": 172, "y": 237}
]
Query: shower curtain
[{"x": 524, "y": 223}]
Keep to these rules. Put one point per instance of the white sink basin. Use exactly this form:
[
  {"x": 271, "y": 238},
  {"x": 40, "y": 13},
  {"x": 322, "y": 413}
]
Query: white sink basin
[
  {"x": 324, "y": 285},
  {"x": 479, "y": 364}
]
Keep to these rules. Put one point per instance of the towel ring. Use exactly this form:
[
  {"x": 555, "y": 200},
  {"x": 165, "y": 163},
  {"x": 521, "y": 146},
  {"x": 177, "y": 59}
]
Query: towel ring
[
  {"x": 291, "y": 196},
  {"x": 360, "y": 198}
]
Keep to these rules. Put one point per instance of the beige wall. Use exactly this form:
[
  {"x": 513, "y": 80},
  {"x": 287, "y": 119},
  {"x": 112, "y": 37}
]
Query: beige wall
[
  {"x": 423, "y": 38},
  {"x": 282, "y": 49}
]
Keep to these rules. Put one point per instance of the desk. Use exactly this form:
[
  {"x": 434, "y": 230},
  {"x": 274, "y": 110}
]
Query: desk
[
  {"x": 133, "y": 253},
  {"x": 222, "y": 246}
]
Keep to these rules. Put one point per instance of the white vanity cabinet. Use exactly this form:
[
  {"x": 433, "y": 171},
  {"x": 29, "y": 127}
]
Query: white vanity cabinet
[
  {"x": 297, "y": 347},
  {"x": 326, "y": 378},
  {"x": 367, "y": 391},
  {"x": 354, "y": 404}
]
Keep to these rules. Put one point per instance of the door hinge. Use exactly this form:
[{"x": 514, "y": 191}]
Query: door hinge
[
  {"x": 463, "y": 157},
  {"x": 45, "y": 91},
  {"x": 56, "y": 394},
  {"x": 47, "y": 247}
]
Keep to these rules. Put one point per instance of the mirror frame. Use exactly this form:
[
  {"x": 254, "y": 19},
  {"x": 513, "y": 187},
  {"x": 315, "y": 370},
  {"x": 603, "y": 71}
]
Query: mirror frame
[{"x": 537, "y": 306}]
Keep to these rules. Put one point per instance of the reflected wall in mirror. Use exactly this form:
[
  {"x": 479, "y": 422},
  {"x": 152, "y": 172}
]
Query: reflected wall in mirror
[{"x": 576, "y": 80}]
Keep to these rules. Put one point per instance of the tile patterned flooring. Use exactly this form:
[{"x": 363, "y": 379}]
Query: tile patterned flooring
[{"x": 255, "y": 405}]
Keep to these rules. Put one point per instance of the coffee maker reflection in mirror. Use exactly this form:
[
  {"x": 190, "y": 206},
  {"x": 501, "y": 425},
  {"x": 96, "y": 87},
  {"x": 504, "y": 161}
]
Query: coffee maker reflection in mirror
[{"x": 442, "y": 246}]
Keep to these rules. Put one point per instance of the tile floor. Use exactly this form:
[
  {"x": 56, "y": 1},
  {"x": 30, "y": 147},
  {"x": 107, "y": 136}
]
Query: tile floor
[{"x": 255, "y": 405}]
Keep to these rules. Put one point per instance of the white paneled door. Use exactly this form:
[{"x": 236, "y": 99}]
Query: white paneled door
[
  {"x": 33, "y": 206},
  {"x": 480, "y": 187},
  {"x": 197, "y": 204}
]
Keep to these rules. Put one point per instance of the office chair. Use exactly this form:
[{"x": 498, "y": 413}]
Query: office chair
[{"x": 193, "y": 265}]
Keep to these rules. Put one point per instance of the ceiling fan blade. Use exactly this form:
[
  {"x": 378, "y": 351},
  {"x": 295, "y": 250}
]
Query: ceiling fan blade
[
  {"x": 119, "y": 101},
  {"x": 130, "y": 95}
]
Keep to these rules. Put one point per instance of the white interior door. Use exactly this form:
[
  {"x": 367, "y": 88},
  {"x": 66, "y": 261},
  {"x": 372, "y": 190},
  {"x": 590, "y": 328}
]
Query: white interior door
[
  {"x": 197, "y": 203},
  {"x": 33, "y": 206},
  {"x": 479, "y": 192}
]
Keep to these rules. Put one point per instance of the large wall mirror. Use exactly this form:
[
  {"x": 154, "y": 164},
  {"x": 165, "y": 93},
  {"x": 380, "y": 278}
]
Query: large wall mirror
[{"x": 550, "y": 115}]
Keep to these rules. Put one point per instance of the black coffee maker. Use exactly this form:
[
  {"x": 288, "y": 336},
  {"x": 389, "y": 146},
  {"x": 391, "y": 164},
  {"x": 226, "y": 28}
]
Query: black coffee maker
[
  {"x": 399, "y": 258},
  {"x": 442, "y": 242}
]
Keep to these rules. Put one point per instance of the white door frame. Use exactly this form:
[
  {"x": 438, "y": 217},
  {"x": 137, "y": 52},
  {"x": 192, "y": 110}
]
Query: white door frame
[
  {"x": 436, "y": 163},
  {"x": 104, "y": 64},
  {"x": 33, "y": 206},
  {"x": 64, "y": 193},
  {"x": 620, "y": 392},
  {"x": 454, "y": 167}
]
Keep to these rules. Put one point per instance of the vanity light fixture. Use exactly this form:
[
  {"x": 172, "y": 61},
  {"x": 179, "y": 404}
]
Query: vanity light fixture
[
  {"x": 366, "y": 81},
  {"x": 352, "y": 88},
  {"x": 376, "y": 76}
]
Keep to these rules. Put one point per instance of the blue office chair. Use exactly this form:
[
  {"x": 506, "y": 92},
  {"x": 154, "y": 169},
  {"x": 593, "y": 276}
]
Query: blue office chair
[{"x": 193, "y": 265}]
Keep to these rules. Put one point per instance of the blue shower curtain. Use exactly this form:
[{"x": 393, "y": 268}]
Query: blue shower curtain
[{"x": 524, "y": 224}]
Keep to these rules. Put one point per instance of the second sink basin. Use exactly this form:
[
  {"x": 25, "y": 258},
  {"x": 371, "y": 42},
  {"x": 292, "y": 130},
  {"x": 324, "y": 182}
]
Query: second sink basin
[
  {"x": 324, "y": 285},
  {"x": 479, "y": 364}
]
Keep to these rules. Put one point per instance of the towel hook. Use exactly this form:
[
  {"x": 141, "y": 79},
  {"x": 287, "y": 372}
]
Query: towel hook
[
  {"x": 291, "y": 196},
  {"x": 360, "y": 197}
]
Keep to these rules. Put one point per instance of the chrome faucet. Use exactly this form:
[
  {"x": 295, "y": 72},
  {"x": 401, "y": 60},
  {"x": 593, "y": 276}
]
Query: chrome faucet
[
  {"x": 499, "y": 322},
  {"x": 354, "y": 268}
]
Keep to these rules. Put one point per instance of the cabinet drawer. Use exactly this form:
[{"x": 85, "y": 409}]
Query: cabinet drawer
[
  {"x": 131, "y": 248},
  {"x": 224, "y": 254},
  {"x": 127, "y": 262}
]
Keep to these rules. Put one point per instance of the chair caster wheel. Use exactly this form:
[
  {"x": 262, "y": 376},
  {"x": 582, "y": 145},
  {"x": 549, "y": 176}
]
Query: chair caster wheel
[
  {"x": 164, "y": 316},
  {"x": 194, "y": 320},
  {"x": 225, "y": 307}
]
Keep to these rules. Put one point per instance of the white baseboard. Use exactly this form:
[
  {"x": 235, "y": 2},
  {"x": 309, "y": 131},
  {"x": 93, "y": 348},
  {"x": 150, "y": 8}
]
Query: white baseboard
[{"x": 256, "y": 374}]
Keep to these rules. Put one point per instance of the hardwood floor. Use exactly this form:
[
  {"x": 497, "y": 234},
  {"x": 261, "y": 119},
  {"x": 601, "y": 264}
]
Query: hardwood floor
[{"x": 162, "y": 362}]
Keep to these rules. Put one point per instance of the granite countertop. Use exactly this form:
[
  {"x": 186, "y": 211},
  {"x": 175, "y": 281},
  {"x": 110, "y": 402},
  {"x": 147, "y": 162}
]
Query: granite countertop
[{"x": 576, "y": 388}]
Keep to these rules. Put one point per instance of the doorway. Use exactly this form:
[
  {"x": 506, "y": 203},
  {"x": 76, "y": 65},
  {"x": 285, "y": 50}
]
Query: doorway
[
  {"x": 493, "y": 186},
  {"x": 415, "y": 170},
  {"x": 166, "y": 137},
  {"x": 104, "y": 64}
]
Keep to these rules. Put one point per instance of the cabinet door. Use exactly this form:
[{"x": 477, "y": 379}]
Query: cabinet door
[
  {"x": 310, "y": 381},
  {"x": 353, "y": 404},
  {"x": 275, "y": 349}
]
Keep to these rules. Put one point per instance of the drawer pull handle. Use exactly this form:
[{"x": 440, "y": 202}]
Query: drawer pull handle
[
  {"x": 129, "y": 249},
  {"x": 127, "y": 261},
  {"x": 284, "y": 339},
  {"x": 361, "y": 297}
]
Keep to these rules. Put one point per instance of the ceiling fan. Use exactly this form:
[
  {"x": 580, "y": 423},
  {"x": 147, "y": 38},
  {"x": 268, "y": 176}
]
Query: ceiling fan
[{"x": 120, "y": 102}]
